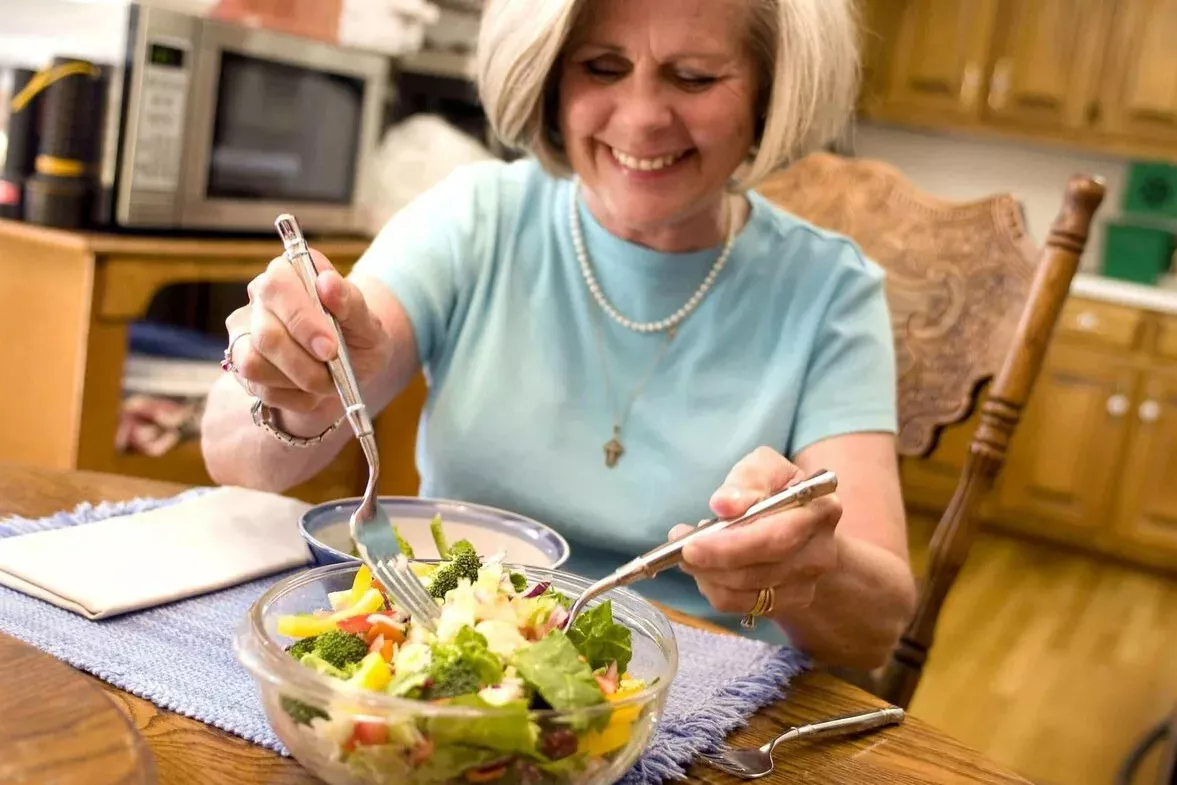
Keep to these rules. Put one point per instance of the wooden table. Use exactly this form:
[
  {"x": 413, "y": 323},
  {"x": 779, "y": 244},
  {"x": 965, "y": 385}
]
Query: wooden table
[{"x": 187, "y": 751}]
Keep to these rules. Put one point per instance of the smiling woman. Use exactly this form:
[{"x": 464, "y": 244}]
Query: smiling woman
[{"x": 618, "y": 332}]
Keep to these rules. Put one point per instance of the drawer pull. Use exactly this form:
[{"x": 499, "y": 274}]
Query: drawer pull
[
  {"x": 1087, "y": 321},
  {"x": 1118, "y": 405},
  {"x": 1149, "y": 411}
]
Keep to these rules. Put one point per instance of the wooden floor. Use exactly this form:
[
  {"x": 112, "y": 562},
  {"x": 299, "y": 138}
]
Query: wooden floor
[{"x": 1052, "y": 663}]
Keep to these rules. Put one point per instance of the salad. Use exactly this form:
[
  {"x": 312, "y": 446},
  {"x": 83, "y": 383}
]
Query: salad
[{"x": 502, "y": 646}]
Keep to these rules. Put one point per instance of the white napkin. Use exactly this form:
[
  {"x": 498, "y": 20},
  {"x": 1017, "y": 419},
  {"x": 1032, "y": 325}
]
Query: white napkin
[{"x": 222, "y": 538}]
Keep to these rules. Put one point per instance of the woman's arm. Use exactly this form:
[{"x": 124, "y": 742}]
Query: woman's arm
[
  {"x": 861, "y": 607},
  {"x": 237, "y": 452},
  {"x": 838, "y": 566}
]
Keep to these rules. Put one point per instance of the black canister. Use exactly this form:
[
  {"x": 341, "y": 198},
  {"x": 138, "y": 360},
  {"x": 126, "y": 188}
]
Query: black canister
[
  {"x": 64, "y": 177},
  {"x": 22, "y": 129}
]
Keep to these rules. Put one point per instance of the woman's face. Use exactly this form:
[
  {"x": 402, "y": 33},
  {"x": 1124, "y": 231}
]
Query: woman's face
[{"x": 657, "y": 107}]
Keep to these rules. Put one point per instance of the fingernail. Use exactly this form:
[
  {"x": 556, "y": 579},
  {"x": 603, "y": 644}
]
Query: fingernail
[{"x": 322, "y": 347}]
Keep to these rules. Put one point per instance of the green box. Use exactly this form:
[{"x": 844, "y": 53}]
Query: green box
[
  {"x": 1133, "y": 252},
  {"x": 1151, "y": 190}
]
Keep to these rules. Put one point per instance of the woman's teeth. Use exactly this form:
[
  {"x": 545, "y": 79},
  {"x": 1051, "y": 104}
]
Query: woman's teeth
[{"x": 646, "y": 164}]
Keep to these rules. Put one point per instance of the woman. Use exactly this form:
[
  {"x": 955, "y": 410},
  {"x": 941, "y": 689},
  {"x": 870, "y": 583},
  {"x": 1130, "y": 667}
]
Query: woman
[{"x": 606, "y": 349}]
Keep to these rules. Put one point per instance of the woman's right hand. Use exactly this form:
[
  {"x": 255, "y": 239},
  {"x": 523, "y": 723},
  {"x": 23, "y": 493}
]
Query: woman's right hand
[{"x": 286, "y": 340}]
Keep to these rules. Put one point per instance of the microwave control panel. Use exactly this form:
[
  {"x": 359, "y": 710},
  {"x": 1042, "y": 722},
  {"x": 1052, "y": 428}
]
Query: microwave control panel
[{"x": 164, "y": 101}]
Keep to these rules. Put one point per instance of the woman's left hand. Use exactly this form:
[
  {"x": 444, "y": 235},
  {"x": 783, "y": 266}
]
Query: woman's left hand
[{"x": 788, "y": 552}]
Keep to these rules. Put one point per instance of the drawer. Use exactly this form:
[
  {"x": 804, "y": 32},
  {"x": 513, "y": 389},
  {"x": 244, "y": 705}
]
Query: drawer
[
  {"x": 1167, "y": 338},
  {"x": 1104, "y": 323}
]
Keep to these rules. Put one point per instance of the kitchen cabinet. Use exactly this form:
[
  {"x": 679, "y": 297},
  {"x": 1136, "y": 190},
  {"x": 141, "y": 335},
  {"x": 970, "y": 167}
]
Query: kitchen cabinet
[
  {"x": 1093, "y": 462},
  {"x": 937, "y": 57},
  {"x": 1096, "y": 74},
  {"x": 1140, "y": 91}
]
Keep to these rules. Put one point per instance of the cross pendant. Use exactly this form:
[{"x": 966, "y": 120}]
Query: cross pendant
[{"x": 613, "y": 449}]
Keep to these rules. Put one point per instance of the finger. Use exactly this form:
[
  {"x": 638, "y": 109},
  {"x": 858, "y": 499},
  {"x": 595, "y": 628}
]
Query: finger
[
  {"x": 273, "y": 341},
  {"x": 280, "y": 291},
  {"x": 237, "y": 322},
  {"x": 808, "y": 565},
  {"x": 253, "y": 367},
  {"x": 766, "y": 541},
  {"x": 287, "y": 400},
  {"x": 361, "y": 329},
  {"x": 734, "y": 601},
  {"x": 761, "y": 473}
]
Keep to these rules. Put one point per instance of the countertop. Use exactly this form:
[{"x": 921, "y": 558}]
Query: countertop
[{"x": 1151, "y": 298}]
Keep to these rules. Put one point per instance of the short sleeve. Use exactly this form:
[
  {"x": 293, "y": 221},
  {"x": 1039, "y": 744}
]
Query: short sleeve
[
  {"x": 430, "y": 252},
  {"x": 850, "y": 383}
]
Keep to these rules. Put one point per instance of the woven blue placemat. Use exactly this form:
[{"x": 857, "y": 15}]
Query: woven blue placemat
[{"x": 179, "y": 657}]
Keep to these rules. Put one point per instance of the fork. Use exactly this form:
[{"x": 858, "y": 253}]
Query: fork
[
  {"x": 754, "y": 762},
  {"x": 654, "y": 561},
  {"x": 369, "y": 525}
]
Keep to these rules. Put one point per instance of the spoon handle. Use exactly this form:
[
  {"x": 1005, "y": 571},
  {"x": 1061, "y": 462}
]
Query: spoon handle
[{"x": 853, "y": 723}]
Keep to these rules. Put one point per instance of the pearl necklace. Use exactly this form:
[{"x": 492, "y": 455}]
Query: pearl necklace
[{"x": 595, "y": 288}]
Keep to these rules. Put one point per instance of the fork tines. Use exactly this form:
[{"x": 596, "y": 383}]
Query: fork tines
[{"x": 408, "y": 589}]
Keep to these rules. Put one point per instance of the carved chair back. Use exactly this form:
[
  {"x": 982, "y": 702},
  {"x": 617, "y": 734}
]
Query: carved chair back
[{"x": 973, "y": 300}]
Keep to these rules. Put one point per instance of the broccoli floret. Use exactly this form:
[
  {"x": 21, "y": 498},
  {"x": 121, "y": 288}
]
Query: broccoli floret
[
  {"x": 301, "y": 647},
  {"x": 300, "y": 712},
  {"x": 464, "y": 562},
  {"x": 518, "y": 582},
  {"x": 341, "y": 650},
  {"x": 461, "y": 667}
]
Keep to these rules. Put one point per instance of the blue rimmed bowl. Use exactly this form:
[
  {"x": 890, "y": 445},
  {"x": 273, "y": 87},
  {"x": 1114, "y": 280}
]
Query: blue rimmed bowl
[{"x": 489, "y": 529}]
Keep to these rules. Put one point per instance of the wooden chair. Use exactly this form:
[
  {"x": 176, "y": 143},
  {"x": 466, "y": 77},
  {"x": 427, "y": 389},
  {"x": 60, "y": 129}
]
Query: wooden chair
[{"x": 973, "y": 302}]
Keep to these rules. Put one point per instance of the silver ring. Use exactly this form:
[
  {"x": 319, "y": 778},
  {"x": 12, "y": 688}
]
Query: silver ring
[{"x": 227, "y": 363}]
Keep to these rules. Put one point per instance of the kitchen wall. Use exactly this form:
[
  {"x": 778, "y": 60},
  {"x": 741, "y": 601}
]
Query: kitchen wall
[{"x": 960, "y": 167}]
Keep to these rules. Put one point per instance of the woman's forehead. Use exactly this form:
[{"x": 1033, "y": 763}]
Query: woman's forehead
[{"x": 669, "y": 28}]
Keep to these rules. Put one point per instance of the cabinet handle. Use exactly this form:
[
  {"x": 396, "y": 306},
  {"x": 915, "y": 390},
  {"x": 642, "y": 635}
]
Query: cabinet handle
[
  {"x": 1148, "y": 411},
  {"x": 969, "y": 84},
  {"x": 999, "y": 83},
  {"x": 1117, "y": 405},
  {"x": 1087, "y": 321}
]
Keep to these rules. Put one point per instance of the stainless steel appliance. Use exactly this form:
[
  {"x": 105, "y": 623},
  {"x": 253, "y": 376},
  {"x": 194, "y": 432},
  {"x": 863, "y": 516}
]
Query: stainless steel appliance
[{"x": 217, "y": 126}]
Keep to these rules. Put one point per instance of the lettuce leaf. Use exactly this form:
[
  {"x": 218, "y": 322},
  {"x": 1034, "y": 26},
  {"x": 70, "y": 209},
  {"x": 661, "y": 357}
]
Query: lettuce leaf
[
  {"x": 600, "y": 639},
  {"x": 553, "y": 666},
  {"x": 506, "y": 728}
]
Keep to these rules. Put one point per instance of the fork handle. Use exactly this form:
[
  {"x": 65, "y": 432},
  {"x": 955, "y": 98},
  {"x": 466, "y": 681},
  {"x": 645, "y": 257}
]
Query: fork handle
[
  {"x": 853, "y": 723},
  {"x": 298, "y": 253}
]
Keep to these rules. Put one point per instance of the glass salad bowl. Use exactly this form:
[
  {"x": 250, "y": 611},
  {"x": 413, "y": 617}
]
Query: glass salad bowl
[{"x": 350, "y": 732}]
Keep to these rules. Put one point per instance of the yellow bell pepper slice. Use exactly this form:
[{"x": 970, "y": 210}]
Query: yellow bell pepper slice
[
  {"x": 361, "y": 584},
  {"x": 304, "y": 625},
  {"x": 629, "y": 714},
  {"x": 613, "y": 737},
  {"x": 373, "y": 674}
]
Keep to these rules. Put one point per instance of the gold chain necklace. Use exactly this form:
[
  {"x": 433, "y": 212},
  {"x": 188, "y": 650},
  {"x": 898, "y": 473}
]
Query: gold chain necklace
[{"x": 614, "y": 449}]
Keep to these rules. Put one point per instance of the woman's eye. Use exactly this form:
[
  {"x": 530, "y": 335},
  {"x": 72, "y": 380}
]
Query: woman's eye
[
  {"x": 694, "y": 81},
  {"x": 604, "y": 70}
]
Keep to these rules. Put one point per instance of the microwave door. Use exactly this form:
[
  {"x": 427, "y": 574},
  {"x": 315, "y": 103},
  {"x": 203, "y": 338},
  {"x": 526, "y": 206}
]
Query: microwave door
[{"x": 287, "y": 124}]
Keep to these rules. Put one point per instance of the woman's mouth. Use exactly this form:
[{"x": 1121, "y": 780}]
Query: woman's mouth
[{"x": 648, "y": 164}]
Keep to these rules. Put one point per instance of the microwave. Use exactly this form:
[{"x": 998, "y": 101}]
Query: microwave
[{"x": 217, "y": 126}]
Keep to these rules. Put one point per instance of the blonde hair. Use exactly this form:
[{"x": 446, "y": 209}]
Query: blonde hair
[{"x": 806, "y": 52}]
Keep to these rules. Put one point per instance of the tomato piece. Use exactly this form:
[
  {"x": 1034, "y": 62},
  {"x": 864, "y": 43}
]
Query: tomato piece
[
  {"x": 355, "y": 624},
  {"x": 369, "y": 733}
]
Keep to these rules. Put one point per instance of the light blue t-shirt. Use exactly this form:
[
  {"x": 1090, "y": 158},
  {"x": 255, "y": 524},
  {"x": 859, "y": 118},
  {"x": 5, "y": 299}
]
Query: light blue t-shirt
[{"x": 792, "y": 345}]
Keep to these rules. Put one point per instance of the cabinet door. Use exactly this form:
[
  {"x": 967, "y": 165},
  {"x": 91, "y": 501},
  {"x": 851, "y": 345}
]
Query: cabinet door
[
  {"x": 1147, "y": 511},
  {"x": 1064, "y": 460},
  {"x": 938, "y": 58},
  {"x": 1047, "y": 56},
  {"x": 1140, "y": 91},
  {"x": 878, "y": 23}
]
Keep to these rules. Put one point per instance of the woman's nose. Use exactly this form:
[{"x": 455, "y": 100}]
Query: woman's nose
[{"x": 645, "y": 105}]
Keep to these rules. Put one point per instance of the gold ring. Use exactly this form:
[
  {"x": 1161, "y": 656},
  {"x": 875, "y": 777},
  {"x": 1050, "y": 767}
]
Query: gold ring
[{"x": 765, "y": 602}]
